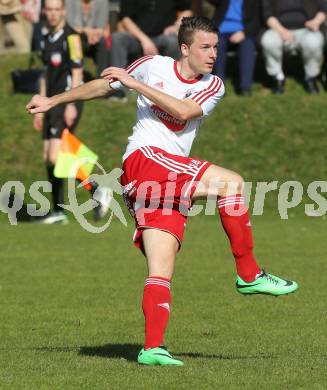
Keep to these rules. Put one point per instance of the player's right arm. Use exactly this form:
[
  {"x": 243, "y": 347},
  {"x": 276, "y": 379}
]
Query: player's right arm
[
  {"x": 183, "y": 109},
  {"x": 88, "y": 91}
]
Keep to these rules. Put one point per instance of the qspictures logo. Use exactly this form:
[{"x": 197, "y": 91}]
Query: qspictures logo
[
  {"x": 144, "y": 196},
  {"x": 13, "y": 193}
]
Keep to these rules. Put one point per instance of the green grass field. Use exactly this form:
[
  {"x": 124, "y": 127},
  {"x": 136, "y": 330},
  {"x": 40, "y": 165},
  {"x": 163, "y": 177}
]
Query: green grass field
[{"x": 70, "y": 300}]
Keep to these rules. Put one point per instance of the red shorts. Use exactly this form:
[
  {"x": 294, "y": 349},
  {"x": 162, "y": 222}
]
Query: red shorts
[{"x": 158, "y": 188}]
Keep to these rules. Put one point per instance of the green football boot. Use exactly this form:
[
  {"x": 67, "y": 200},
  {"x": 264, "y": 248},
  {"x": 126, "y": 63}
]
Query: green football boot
[
  {"x": 266, "y": 284},
  {"x": 54, "y": 217},
  {"x": 157, "y": 357}
]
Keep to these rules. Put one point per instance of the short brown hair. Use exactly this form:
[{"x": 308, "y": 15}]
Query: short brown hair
[{"x": 192, "y": 24}]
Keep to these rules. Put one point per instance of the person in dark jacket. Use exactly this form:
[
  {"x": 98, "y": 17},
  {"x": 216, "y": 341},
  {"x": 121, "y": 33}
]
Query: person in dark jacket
[
  {"x": 149, "y": 28},
  {"x": 238, "y": 22},
  {"x": 91, "y": 19},
  {"x": 293, "y": 25}
]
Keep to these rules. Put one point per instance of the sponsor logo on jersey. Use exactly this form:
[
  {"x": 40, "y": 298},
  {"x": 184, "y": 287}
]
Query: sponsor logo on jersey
[
  {"x": 188, "y": 93},
  {"x": 56, "y": 59},
  {"x": 168, "y": 120}
]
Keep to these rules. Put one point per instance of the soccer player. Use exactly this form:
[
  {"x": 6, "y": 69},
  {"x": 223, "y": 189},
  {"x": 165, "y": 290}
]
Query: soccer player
[
  {"x": 62, "y": 55},
  {"x": 174, "y": 97}
]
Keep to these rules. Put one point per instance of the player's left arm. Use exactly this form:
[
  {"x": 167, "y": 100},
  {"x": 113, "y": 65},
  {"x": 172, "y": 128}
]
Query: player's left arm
[{"x": 181, "y": 109}]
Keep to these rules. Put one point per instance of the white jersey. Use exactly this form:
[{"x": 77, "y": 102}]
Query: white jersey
[{"x": 154, "y": 126}]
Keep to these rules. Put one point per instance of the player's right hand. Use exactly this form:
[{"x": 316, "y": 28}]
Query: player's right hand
[
  {"x": 38, "y": 104},
  {"x": 38, "y": 121},
  {"x": 113, "y": 74}
]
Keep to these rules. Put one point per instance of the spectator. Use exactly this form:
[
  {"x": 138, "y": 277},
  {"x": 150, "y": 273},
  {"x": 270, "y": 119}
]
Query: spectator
[
  {"x": 32, "y": 16},
  {"x": 293, "y": 25},
  {"x": 149, "y": 29},
  {"x": 91, "y": 18},
  {"x": 239, "y": 24},
  {"x": 11, "y": 19},
  {"x": 39, "y": 29}
]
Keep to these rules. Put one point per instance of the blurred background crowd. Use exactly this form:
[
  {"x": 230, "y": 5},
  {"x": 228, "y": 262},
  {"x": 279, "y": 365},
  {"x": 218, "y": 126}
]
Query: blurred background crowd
[{"x": 116, "y": 32}]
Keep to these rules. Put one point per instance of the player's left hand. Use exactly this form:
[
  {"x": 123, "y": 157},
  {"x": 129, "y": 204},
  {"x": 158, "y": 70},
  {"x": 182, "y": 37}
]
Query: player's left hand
[
  {"x": 70, "y": 114},
  {"x": 113, "y": 74},
  {"x": 237, "y": 37}
]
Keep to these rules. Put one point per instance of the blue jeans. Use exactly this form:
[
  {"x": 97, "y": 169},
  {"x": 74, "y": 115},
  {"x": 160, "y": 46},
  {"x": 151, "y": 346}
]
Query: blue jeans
[{"x": 246, "y": 58}]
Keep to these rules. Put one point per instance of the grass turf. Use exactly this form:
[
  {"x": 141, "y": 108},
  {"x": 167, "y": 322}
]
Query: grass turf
[
  {"x": 70, "y": 304},
  {"x": 71, "y": 314}
]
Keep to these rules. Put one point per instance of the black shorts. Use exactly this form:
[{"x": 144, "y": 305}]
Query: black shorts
[{"x": 54, "y": 123}]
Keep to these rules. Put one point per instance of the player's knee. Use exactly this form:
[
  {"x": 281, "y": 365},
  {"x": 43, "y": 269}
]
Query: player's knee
[
  {"x": 52, "y": 158},
  {"x": 236, "y": 183},
  {"x": 239, "y": 179}
]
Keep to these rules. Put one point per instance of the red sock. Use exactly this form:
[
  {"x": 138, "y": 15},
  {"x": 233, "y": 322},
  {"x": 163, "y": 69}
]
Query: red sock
[
  {"x": 235, "y": 218},
  {"x": 156, "y": 309}
]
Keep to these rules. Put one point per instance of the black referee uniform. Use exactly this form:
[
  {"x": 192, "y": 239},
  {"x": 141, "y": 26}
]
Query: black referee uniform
[{"x": 61, "y": 52}]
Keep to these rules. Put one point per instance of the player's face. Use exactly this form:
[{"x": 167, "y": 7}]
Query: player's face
[
  {"x": 202, "y": 53},
  {"x": 54, "y": 12}
]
